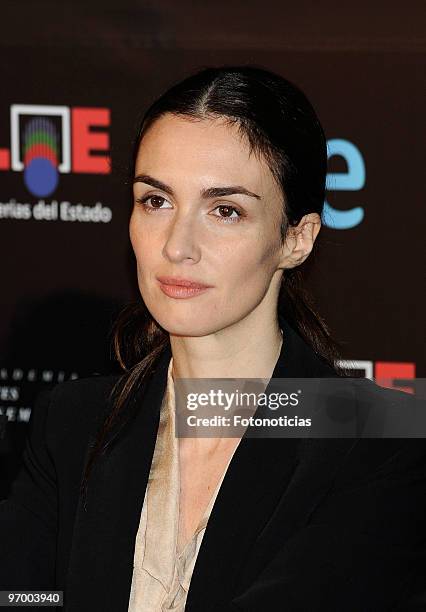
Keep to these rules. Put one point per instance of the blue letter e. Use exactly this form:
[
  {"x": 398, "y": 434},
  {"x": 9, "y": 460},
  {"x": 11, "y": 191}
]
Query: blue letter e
[{"x": 352, "y": 180}]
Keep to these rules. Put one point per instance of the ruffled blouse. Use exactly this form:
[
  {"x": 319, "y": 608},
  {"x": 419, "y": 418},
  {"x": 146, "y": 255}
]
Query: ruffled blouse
[{"x": 161, "y": 573}]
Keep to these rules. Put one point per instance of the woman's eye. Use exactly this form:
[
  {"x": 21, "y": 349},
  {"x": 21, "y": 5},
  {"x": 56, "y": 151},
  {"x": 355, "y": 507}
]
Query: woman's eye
[
  {"x": 156, "y": 202},
  {"x": 228, "y": 210}
]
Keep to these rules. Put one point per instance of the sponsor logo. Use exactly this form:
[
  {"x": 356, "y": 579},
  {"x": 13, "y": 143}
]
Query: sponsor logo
[
  {"x": 389, "y": 374},
  {"x": 47, "y": 141},
  {"x": 19, "y": 387}
]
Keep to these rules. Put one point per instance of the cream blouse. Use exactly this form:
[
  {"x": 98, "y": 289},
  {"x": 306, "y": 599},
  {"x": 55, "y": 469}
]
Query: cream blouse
[{"x": 161, "y": 573}]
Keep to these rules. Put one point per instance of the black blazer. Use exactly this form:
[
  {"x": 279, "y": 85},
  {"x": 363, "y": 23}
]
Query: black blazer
[{"x": 298, "y": 524}]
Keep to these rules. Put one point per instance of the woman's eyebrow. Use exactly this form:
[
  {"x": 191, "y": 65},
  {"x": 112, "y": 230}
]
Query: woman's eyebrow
[{"x": 209, "y": 192}]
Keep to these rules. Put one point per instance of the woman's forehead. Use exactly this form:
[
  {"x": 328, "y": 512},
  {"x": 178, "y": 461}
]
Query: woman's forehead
[{"x": 178, "y": 146}]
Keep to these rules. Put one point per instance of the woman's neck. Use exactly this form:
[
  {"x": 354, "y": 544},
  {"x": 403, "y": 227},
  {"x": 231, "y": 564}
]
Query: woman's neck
[{"x": 227, "y": 355}]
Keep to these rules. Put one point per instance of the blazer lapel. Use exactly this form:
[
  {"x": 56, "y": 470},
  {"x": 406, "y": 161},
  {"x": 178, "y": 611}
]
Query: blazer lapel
[
  {"x": 101, "y": 560},
  {"x": 271, "y": 487}
]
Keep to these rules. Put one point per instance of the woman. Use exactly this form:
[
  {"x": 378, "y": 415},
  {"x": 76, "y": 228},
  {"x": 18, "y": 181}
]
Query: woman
[{"x": 229, "y": 180}]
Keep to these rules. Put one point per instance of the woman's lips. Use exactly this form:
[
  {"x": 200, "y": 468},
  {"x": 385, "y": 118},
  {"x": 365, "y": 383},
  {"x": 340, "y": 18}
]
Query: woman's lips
[
  {"x": 181, "y": 292},
  {"x": 184, "y": 282}
]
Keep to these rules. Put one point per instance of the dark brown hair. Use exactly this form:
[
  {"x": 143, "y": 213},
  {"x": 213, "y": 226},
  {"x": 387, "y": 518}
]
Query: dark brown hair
[{"x": 279, "y": 124}]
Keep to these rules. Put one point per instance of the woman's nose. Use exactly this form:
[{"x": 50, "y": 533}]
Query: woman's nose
[{"x": 182, "y": 239}]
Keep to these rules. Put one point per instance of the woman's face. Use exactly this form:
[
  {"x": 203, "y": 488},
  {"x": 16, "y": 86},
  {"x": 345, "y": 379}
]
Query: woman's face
[{"x": 221, "y": 238}]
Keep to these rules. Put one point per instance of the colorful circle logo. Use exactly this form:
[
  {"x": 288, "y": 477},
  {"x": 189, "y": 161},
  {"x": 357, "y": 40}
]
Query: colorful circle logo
[{"x": 40, "y": 156}]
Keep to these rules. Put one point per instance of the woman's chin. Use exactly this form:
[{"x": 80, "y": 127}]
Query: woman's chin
[
  {"x": 189, "y": 328},
  {"x": 187, "y": 331}
]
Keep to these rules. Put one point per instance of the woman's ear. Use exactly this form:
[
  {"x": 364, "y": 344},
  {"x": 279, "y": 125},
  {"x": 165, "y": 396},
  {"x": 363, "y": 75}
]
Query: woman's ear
[{"x": 300, "y": 240}]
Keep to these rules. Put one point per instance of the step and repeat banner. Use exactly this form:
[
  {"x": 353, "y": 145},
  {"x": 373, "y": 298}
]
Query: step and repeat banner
[{"x": 68, "y": 114}]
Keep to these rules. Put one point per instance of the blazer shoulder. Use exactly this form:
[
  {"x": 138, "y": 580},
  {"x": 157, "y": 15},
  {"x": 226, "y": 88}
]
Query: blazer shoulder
[
  {"x": 74, "y": 409},
  {"x": 90, "y": 388}
]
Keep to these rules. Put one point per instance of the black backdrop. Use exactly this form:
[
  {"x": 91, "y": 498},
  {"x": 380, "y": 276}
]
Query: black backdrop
[{"x": 64, "y": 280}]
